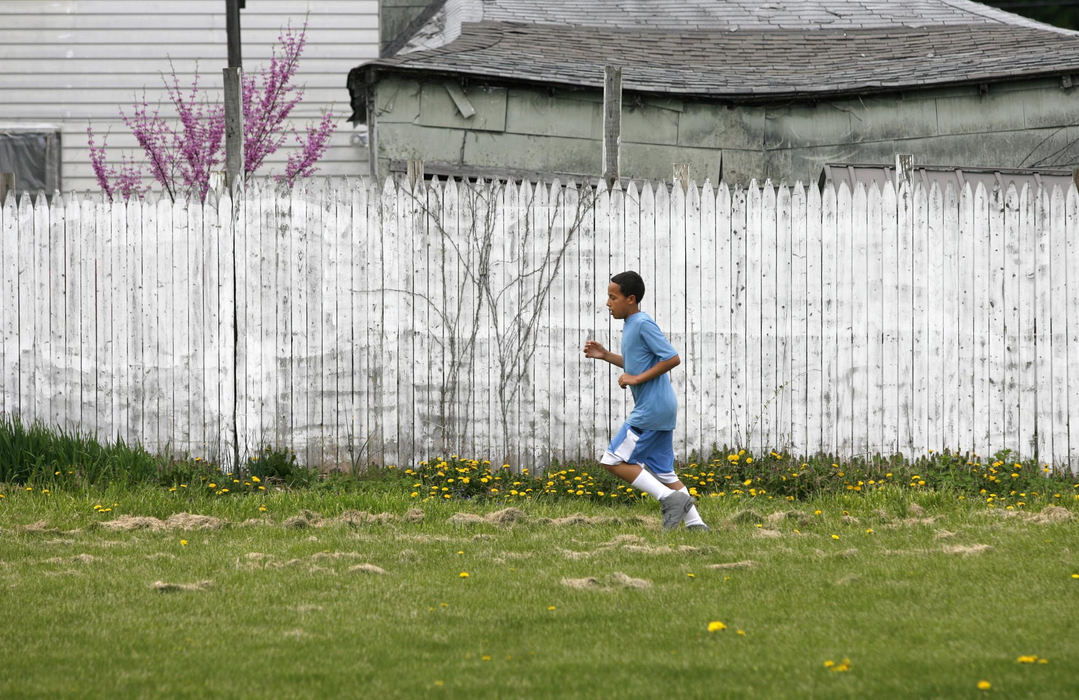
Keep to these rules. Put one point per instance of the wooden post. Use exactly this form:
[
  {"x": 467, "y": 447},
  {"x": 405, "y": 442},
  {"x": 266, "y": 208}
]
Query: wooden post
[
  {"x": 612, "y": 122},
  {"x": 904, "y": 169},
  {"x": 415, "y": 172},
  {"x": 7, "y": 184},
  {"x": 234, "y": 128},
  {"x": 681, "y": 176},
  {"x": 234, "y": 117},
  {"x": 232, "y": 29}
]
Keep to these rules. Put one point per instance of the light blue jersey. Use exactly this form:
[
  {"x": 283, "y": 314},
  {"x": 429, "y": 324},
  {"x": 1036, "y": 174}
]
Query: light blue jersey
[{"x": 643, "y": 346}]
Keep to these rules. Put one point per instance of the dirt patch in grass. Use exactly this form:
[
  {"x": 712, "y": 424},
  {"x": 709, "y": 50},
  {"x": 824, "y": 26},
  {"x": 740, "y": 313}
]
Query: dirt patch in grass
[
  {"x": 767, "y": 533},
  {"x": 744, "y": 564},
  {"x": 303, "y": 519},
  {"x": 633, "y": 544},
  {"x": 41, "y": 527},
  {"x": 610, "y": 582},
  {"x": 965, "y": 550},
  {"x": 367, "y": 569},
  {"x": 127, "y": 523},
  {"x": 912, "y": 522},
  {"x": 1049, "y": 515},
  {"x": 78, "y": 558},
  {"x": 162, "y": 587},
  {"x": 575, "y": 555},
  {"x": 334, "y": 556},
  {"x": 176, "y": 521},
  {"x": 465, "y": 519},
  {"x": 192, "y": 521},
  {"x": 507, "y": 516},
  {"x": 362, "y": 517}
]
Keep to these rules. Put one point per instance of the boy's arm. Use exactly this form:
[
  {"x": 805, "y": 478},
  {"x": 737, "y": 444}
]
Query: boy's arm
[
  {"x": 661, "y": 367},
  {"x": 596, "y": 351}
]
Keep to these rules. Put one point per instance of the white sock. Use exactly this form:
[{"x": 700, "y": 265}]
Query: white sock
[
  {"x": 693, "y": 517},
  {"x": 650, "y": 485}
]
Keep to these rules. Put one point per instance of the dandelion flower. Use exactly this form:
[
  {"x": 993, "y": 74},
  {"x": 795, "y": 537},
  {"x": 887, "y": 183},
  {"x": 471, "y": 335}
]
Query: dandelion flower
[
  {"x": 550, "y": 607},
  {"x": 742, "y": 632},
  {"x": 183, "y": 543},
  {"x": 463, "y": 574},
  {"x": 984, "y": 685},
  {"x": 716, "y": 626},
  {"x": 835, "y": 537}
]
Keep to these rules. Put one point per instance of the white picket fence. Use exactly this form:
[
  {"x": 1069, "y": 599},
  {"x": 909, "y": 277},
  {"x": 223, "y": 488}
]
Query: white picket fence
[{"x": 358, "y": 324}]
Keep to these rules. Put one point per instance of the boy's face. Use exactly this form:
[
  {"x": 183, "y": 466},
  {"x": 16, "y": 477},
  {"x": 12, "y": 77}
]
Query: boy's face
[{"x": 620, "y": 306}]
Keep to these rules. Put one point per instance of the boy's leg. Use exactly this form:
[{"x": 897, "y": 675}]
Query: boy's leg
[
  {"x": 621, "y": 459},
  {"x": 673, "y": 503}
]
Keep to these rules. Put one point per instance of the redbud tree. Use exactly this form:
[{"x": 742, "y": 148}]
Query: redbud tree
[{"x": 182, "y": 152}]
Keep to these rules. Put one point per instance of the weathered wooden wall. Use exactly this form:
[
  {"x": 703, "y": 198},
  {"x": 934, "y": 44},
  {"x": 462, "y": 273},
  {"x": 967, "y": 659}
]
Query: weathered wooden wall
[
  {"x": 353, "y": 323},
  {"x": 1020, "y": 124}
]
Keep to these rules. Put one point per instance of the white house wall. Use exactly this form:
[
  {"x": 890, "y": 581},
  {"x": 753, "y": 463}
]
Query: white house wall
[{"x": 71, "y": 63}]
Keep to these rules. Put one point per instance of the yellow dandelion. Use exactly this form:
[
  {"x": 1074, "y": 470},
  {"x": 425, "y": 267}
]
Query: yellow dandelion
[
  {"x": 550, "y": 607},
  {"x": 463, "y": 574},
  {"x": 742, "y": 633},
  {"x": 183, "y": 543},
  {"x": 984, "y": 685},
  {"x": 716, "y": 626},
  {"x": 835, "y": 537}
]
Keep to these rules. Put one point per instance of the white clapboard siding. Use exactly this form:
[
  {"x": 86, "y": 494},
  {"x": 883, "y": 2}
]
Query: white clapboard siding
[
  {"x": 356, "y": 323},
  {"x": 70, "y": 62}
]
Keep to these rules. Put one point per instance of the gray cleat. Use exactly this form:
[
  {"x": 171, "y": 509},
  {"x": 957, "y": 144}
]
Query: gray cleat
[
  {"x": 674, "y": 508},
  {"x": 699, "y": 526}
]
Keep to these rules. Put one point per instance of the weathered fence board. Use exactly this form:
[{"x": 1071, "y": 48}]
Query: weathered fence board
[{"x": 356, "y": 324}]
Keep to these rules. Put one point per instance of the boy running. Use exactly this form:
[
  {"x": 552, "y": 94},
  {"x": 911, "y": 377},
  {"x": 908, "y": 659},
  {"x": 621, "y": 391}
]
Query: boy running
[{"x": 642, "y": 452}]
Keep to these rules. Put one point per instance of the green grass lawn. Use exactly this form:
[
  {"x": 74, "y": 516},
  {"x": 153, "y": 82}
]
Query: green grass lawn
[{"x": 566, "y": 599}]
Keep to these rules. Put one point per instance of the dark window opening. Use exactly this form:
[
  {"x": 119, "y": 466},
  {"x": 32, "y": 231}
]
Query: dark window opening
[{"x": 32, "y": 155}]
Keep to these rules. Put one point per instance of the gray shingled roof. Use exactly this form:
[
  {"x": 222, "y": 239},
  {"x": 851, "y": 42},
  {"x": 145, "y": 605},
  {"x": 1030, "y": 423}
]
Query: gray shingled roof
[
  {"x": 751, "y": 64},
  {"x": 736, "y": 48}
]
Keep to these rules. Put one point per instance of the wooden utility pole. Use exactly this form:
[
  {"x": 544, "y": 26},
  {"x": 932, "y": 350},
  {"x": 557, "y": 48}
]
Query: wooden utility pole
[
  {"x": 234, "y": 116},
  {"x": 612, "y": 122}
]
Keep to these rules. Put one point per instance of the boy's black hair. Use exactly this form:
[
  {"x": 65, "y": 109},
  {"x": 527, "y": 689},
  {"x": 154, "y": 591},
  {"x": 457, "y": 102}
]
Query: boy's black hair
[{"x": 630, "y": 282}]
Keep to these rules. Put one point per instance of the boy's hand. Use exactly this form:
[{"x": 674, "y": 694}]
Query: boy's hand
[
  {"x": 594, "y": 350},
  {"x": 628, "y": 380}
]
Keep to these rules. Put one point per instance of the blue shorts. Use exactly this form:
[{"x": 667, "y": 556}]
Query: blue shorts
[{"x": 652, "y": 449}]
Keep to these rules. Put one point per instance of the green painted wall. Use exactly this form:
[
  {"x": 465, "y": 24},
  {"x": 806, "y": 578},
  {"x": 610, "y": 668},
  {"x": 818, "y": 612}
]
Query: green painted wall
[{"x": 1028, "y": 124}]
